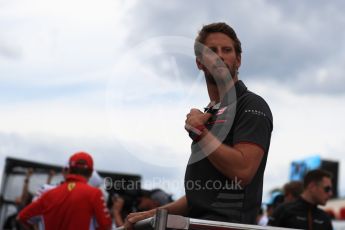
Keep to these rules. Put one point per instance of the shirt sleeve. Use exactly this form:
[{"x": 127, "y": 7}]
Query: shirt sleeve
[
  {"x": 253, "y": 124},
  {"x": 101, "y": 212},
  {"x": 277, "y": 217},
  {"x": 329, "y": 225},
  {"x": 32, "y": 213}
]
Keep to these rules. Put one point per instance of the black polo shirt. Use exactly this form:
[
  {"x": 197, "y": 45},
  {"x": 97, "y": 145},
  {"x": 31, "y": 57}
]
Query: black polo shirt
[
  {"x": 300, "y": 214},
  {"x": 241, "y": 117}
]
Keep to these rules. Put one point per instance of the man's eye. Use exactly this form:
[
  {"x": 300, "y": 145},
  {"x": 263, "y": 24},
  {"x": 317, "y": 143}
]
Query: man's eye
[
  {"x": 214, "y": 50},
  {"x": 227, "y": 49},
  {"x": 211, "y": 50}
]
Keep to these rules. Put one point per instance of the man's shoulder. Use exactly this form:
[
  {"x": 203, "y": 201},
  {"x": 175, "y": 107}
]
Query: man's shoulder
[
  {"x": 290, "y": 206},
  {"x": 322, "y": 213},
  {"x": 74, "y": 185},
  {"x": 87, "y": 187},
  {"x": 255, "y": 104},
  {"x": 254, "y": 99},
  {"x": 321, "y": 217},
  {"x": 283, "y": 212}
]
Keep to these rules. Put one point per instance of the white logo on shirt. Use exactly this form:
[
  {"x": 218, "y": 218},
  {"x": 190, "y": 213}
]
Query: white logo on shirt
[{"x": 255, "y": 112}]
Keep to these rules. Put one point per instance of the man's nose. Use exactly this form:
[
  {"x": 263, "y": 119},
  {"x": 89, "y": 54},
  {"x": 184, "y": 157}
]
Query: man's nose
[{"x": 220, "y": 54}]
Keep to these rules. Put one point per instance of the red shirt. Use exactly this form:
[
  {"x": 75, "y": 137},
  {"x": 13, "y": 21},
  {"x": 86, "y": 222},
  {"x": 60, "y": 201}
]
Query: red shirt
[{"x": 72, "y": 205}]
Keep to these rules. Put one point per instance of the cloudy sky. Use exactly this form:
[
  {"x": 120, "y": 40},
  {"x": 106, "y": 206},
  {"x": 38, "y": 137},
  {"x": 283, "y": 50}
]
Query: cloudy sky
[{"x": 116, "y": 78}]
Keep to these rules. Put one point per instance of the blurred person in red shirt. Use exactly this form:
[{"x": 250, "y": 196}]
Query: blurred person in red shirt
[{"x": 72, "y": 205}]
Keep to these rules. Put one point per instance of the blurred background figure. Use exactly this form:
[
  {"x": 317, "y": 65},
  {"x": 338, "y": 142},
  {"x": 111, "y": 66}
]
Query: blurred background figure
[
  {"x": 148, "y": 199},
  {"x": 292, "y": 190},
  {"x": 20, "y": 203},
  {"x": 303, "y": 213},
  {"x": 95, "y": 180},
  {"x": 151, "y": 199},
  {"x": 48, "y": 185},
  {"x": 72, "y": 205},
  {"x": 275, "y": 200}
]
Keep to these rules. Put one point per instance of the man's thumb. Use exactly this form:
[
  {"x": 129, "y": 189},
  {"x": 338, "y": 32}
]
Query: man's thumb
[{"x": 207, "y": 116}]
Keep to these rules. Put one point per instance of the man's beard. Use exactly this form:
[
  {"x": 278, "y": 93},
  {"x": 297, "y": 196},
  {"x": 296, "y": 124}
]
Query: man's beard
[{"x": 221, "y": 74}]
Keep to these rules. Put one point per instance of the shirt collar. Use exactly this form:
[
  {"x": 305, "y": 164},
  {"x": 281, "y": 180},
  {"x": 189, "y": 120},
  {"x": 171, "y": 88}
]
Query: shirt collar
[
  {"x": 305, "y": 202},
  {"x": 78, "y": 178},
  {"x": 241, "y": 88}
]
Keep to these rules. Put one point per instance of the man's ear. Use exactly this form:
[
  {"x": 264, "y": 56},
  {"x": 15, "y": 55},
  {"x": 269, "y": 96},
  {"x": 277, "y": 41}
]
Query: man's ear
[
  {"x": 199, "y": 64},
  {"x": 238, "y": 61},
  {"x": 312, "y": 185}
]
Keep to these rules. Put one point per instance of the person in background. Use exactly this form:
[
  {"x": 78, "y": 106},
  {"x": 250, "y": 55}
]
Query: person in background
[
  {"x": 149, "y": 199},
  {"x": 95, "y": 180},
  {"x": 20, "y": 202},
  {"x": 292, "y": 190},
  {"x": 276, "y": 199},
  {"x": 72, "y": 205},
  {"x": 48, "y": 185},
  {"x": 304, "y": 212}
]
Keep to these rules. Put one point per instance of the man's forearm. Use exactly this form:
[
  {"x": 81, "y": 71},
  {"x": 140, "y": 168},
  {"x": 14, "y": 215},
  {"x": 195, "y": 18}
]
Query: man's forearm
[
  {"x": 178, "y": 207},
  {"x": 240, "y": 161}
]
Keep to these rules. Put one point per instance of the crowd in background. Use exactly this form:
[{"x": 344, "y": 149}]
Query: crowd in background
[
  {"x": 118, "y": 205},
  {"x": 297, "y": 204}
]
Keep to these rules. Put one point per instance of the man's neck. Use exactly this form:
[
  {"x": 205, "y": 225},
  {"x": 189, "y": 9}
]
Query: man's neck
[
  {"x": 217, "y": 92},
  {"x": 308, "y": 198}
]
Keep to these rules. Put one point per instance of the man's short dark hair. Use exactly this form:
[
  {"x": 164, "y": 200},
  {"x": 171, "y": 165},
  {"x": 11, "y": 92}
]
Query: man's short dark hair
[
  {"x": 157, "y": 195},
  {"x": 295, "y": 188},
  {"x": 315, "y": 176},
  {"x": 86, "y": 172},
  {"x": 218, "y": 27}
]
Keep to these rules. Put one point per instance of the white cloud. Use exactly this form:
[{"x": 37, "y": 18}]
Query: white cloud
[
  {"x": 304, "y": 125},
  {"x": 61, "y": 41}
]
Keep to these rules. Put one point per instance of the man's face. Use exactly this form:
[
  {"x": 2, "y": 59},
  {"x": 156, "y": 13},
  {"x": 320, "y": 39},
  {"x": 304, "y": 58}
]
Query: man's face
[
  {"x": 322, "y": 191},
  {"x": 219, "y": 57}
]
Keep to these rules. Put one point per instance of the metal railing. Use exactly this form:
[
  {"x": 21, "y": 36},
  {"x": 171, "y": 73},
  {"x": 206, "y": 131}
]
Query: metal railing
[{"x": 162, "y": 220}]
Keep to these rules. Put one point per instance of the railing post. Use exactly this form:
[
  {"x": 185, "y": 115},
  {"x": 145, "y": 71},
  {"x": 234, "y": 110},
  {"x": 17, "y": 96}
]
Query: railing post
[{"x": 161, "y": 219}]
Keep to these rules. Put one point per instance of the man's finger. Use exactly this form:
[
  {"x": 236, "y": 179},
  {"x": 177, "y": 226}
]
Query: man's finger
[
  {"x": 134, "y": 214},
  {"x": 194, "y": 110},
  {"x": 139, "y": 217},
  {"x": 207, "y": 116}
]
